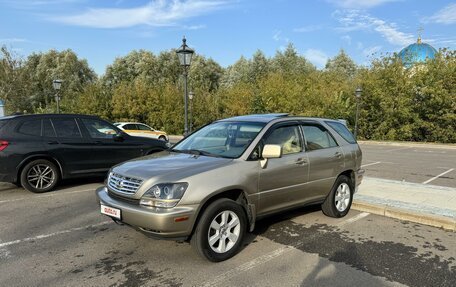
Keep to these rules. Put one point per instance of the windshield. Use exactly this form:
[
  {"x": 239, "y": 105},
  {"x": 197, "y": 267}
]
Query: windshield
[{"x": 221, "y": 139}]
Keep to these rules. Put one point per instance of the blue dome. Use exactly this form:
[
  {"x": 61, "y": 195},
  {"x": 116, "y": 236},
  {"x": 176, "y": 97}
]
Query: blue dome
[{"x": 417, "y": 53}]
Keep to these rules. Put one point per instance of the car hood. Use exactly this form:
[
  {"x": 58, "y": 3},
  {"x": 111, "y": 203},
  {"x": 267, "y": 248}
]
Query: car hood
[{"x": 169, "y": 166}]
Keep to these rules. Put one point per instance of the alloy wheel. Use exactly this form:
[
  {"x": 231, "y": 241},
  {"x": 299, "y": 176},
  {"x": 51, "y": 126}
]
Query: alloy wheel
[
  {"x": 224, "y": 231},
  {"x": 41, "y": 176}
]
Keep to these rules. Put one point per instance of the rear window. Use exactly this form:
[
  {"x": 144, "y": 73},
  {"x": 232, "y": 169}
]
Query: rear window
[
  {"x": 66, "y": 128},
  {"x": 342, "y": 130},
  {"x": 31, "y": 128}
]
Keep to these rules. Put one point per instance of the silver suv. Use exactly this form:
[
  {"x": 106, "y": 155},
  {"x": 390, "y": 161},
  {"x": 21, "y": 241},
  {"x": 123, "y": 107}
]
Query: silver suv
[{"x": 212, "y": 186}]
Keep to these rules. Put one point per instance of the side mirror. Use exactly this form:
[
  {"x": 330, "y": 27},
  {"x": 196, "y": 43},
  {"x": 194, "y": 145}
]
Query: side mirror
[
  {"x": 270, "y": 151},
  {"x": 119, "y": 137}
]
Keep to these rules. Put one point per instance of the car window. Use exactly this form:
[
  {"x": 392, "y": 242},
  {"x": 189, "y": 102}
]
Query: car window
[
  {"x": 287, "y": 137},
  {"x": 3, "y": 123},
  {"x": 130, "y": 127},
  {"x": 66, "y": 128},
  {"x": 31, "y": 128},
  {"x": 48, "y": 129},
  {"x": 318, "y": 138},
  {"x": 225, "y": 139},
  {"x": 342, "y": 130},
  {"x": 143, "y": 128},
  {"x": 99, "y": 129}
]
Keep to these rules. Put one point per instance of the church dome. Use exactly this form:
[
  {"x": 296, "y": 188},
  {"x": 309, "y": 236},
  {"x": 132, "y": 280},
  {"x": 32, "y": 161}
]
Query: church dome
[{"x": 417, "y": 53}]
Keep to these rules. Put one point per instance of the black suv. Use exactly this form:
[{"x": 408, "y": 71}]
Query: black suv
[{"x": 36, "y": 151}]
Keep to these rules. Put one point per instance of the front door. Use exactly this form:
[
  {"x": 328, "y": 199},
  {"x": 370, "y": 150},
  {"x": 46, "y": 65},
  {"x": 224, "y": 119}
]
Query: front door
[{"x": 282, "y": 183}]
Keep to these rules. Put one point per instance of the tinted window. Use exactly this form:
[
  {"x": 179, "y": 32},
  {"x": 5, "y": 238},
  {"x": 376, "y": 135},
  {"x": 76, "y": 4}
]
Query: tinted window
[
  {"x": 48, "y": 129},
  {"x": 318, "y": 138},
  {"x": 32, "y": 127},
  {"x": 143, "y": 128},
  {"x": 99, "y": 129},
  {"x": 342, "y": 130},
  {"x": 287, "y": 137},
  {"x": 3, "y": 123},
  {"x": 130, "y": 127},
  {"x": 66, "y": 128}
]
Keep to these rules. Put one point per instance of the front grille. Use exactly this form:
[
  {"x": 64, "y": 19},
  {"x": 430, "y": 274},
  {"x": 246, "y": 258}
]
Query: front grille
[{"x": 123, "y": 184}]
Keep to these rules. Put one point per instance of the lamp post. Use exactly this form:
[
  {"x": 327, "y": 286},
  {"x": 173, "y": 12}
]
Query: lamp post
[
  {"x": 358, "y": 93},
  {"x": 57, "y": 84},
  {"x": 190, "y": 97},
  {"x": 185, "y": 58}
]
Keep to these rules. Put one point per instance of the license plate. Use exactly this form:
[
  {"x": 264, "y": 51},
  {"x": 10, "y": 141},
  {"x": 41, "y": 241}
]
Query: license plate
[{"x": 110, "y": 211}]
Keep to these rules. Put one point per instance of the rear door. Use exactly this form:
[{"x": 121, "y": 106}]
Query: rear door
[
  {"x": 63, "y": 139},
  {"x": 326, "y": 159}
]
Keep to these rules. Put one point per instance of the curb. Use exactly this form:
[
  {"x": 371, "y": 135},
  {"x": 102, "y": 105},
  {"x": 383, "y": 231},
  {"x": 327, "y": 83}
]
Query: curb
[{"x": 404, "y": 214}]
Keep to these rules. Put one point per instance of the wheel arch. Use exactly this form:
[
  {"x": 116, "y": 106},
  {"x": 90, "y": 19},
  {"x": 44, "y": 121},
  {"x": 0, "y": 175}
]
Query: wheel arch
[
  {"x": 235, "y": 194},
  {"x": 35, "y": 157},
  {"x": 351, "y": 175}
]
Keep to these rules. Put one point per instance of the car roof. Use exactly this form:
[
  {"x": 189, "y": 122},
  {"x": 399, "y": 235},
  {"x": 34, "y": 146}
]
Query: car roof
[
  {"x": 128, "y": 123},
  {"x": 266, "y": 118},
  {"x": 46, "y": 115}
]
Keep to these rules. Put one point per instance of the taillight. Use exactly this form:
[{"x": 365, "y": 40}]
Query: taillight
[{"x": 3, "y": 145}]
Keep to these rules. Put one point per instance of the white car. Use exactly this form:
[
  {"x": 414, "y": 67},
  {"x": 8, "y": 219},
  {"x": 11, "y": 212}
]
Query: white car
[{"x": 141, "y": 130}]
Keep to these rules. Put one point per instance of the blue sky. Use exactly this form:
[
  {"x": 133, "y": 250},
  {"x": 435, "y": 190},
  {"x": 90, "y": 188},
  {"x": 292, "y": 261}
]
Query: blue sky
[{"x": 100, "y": 31}]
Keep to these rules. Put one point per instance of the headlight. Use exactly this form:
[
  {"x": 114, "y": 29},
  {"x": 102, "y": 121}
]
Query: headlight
[{"x": 164, "y": 194}]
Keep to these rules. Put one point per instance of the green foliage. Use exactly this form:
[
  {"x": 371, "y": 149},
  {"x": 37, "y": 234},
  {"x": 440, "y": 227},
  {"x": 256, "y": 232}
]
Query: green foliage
[{"x": 416, "y": 104}]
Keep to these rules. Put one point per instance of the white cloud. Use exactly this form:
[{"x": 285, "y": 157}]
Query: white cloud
[
  {"x": 359, "y": 4},
  {"x": 316, "y": 57},
  {"x": 352, "y": 20},
  {"x": 309, "y": 28},
  {"x": 155, "y": 13},
  {"x": 276, "y": 36},
  {"x": 445, "y": 16}
]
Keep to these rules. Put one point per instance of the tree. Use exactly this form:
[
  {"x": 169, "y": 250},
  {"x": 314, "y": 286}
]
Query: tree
[{"x": 342, "y": 63}]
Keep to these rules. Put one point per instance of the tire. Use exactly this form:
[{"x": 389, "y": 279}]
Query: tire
[
  {"x": 339, "y": 200},
  {"x": 162, "y": 138},
  {"x": 211, "y": 225},
  {"x": 39, "y": 176}
]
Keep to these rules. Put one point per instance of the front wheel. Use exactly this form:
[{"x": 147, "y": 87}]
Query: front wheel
[
  {"x": 162, "y": 138},
  {"x": 339, "y": 200},
  {"x": 39, "y": 176},
  {"x": 220, "y": 230}
]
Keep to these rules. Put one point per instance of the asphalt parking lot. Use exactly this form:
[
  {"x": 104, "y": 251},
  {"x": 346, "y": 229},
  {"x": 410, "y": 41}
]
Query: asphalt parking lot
[
  {"x": 426, "y": 165},
  {"x": 61, "y": 239}
]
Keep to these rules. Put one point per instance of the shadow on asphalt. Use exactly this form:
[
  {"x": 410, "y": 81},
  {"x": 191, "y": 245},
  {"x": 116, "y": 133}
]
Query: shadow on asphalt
[{"x": 67, "y": 183}]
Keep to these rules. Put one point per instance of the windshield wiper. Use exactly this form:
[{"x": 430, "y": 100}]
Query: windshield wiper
[{"x": 198, "y": 152}]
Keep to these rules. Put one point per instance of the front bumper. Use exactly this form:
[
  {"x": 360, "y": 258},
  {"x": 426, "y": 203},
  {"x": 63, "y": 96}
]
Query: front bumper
[{"x": 155, "y": 222}]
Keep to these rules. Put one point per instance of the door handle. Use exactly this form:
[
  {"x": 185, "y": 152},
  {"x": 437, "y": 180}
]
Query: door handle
[
  {"x": 53, "y": 142},
  {"x": 301, "y": 161},
  {"x": 338, "y": 155}
]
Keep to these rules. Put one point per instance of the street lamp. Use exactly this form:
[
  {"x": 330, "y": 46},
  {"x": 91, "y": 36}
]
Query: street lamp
[
  {"x": 358, "y": 93},
  {"x": 185, "y": 58},
  {"x": 57, "y": 84},
  {"x": 190, "y": 97}
]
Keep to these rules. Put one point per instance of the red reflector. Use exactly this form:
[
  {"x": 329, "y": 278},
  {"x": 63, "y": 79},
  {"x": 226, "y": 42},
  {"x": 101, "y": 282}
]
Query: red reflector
[
  {"x": 3, "y": 145},
  {"x": 179, "y": 219}
]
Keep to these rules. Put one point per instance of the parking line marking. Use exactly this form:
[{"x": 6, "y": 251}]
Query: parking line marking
[
  {"x": 396, "y": 149},
  {"x": 267, "y": 257},
  {"x": 354, "y": 218},
  {"x": 46, "y": 195},
  {"x": 42, "y": 236},
  {"x": 377, "y": 162},
  {"x": 437, "y": 176}
]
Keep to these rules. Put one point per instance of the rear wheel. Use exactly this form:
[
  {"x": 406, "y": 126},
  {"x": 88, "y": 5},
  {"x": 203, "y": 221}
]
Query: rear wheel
[
  {"x": 339, "y": 200},
  {"x": 39, "y": 176},
  {"x": 220, "y": 230}
]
